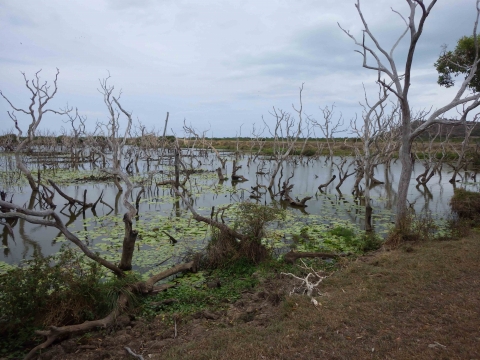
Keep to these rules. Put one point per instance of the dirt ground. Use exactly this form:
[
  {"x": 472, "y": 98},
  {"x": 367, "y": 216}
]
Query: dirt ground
[{"x": 421, "y": 301}]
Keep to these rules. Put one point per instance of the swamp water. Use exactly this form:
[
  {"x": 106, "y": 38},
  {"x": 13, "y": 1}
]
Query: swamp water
[{"x": 160, "y": 212}]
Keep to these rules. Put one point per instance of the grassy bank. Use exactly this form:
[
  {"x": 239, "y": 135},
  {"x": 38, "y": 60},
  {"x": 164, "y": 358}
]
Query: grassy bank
[
  {"x": 417, "y": 302},
  {"x": 420, "y": 301}
]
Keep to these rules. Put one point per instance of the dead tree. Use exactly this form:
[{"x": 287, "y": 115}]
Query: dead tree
[
  {"x": 329, "y": 127},
  {"x": 235, "y": 176},
  {"x": 116, "y": 142},
  {"x": 72, "y": 201},
  {"x": 198, "y": 140},
  {"x": 223, "y": 161},
  {"x": 285, "y": 135},
  {"x": 285, "y": 194},
  {"x": 256, "y": 141},
  {"x": 377, "y": 135},
  {"x": 41, "y": 94},
  {"x": 322, "y": 186},
  {"x": 343, "y": 173},
  {"x": 221, "y": 226},
  {"x": 426, "y": 153},
  {"x": 221, "y": 177},
  {"x": 77, "y": 123},
  {"x": 399, "y": 84},
  {"x": 50, "y": 218}
]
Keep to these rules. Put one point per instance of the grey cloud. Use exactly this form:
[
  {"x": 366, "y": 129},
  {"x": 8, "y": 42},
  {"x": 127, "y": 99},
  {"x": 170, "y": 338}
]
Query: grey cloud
[{"x": 311, "y": 53}]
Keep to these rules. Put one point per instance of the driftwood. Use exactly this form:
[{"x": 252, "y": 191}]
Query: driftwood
[
  {"x": 327, "y": 183},
  {"x": 297, "y": 202},
  {"x": 173, "y": 241},
  {"x": 292, "y": 256},
  {"x": 255, "y": 193},
  {"x": 285, "y": 194},
  {"x": 72, "y": 201}
]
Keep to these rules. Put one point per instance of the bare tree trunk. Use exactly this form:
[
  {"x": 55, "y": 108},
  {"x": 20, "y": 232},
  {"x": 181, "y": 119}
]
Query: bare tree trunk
[
  {"x": 128, "y": 244},
  {"x": 404, "y": 181},
  {"x": 177, "y": 167},
  {"x": 21, "y": 166}
]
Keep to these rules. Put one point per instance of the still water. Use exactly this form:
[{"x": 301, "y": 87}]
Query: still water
[{"x": 161, "y": 213}]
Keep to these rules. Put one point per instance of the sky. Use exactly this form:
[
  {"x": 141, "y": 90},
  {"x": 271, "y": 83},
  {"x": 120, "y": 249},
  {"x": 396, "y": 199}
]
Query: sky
[{"x": 219, "y": 66}]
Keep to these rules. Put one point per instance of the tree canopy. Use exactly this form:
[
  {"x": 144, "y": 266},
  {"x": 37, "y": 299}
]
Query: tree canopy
[{"x": 453, "y": 63}]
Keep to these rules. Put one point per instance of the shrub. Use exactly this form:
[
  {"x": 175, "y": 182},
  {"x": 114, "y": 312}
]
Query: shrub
[
  {"x": 466, "y": 204},
  {"x": 56, "y": 290},
  {"x": 413, "y": 228},
  {"x": 308, "y": 152},
  {"x": 250, "y": 220}
]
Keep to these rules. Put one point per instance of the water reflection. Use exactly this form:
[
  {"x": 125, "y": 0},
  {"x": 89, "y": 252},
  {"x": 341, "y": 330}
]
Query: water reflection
[{"x": 208, "y": 192}]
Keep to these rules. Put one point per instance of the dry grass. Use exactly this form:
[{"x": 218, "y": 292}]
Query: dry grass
[
  {"x": 394, "y": 305},
  {"x": 420, "y": 301}
]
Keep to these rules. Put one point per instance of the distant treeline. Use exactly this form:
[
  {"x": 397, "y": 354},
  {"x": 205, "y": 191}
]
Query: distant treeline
[{"x": 455, "y": 130}]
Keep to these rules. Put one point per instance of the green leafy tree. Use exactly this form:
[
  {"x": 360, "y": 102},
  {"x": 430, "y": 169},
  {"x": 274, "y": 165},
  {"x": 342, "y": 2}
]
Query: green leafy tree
[{"x": 458, "y": 62}]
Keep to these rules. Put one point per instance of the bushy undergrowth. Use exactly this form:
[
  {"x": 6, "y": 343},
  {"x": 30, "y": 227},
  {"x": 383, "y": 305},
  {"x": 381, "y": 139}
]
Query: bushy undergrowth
[
  {"x": 214, "y": 290},
  {"x": 413, "y": 228},
  {"x": 360, "y": 243},
  {"x": 251, "y": 221},
  {"x": 339, "y": 238},
  {"x": 56, "y": 290},
  {"x": 466, "y": 204}
]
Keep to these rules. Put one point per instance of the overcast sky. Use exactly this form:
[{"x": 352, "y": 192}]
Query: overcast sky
[{"x": 216, "y": 64}]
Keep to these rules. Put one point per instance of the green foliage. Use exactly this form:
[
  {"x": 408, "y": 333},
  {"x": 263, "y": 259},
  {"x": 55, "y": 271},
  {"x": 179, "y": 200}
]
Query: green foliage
[
  {"x": 453, "y": 63},
  {"x": 346, "y": 233},
  {"x": 56, "y": 290},
  {"x": 339, "y": 238},
  {"x": 251, "y": 219},
  {"x": 466, "y": 204},
  {"x": 360, "y": 243},
  {"x": 195, "y": 291}
]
